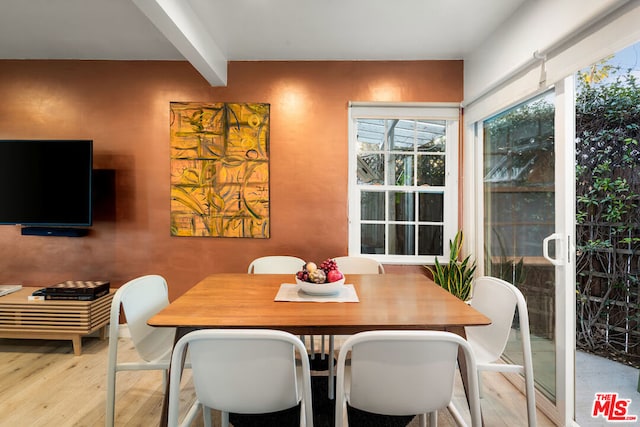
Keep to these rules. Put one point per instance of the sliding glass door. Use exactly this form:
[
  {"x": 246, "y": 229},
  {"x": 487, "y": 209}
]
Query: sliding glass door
[
  {"x": 527, "y": 227},
  {"x": 519, "y": 207}
]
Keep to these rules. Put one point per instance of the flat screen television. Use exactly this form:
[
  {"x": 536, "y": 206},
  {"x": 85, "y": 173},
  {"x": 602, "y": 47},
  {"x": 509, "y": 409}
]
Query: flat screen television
[{"x": 46, "y": 182}]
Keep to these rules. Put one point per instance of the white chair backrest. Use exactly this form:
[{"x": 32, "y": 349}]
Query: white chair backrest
[
  {"x": 496, "y": 299},
  {"x": 403, "y": 372},
  {"x": 141, "y": 298},
  {"x": 358, "y": 265},
  {"x": 276, "y": 264},
  {"x": 244, "y": 371}
]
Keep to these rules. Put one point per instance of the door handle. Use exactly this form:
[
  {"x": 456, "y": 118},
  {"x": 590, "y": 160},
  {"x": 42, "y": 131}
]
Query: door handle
[{"x": 545, "y": 248}]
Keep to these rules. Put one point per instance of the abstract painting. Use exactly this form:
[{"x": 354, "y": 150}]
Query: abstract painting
[{"x": 220, "y": 169}]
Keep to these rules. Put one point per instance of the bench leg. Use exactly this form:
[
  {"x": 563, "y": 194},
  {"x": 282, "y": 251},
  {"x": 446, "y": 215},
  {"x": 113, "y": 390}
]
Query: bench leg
[{"x": 77, "y": 344}]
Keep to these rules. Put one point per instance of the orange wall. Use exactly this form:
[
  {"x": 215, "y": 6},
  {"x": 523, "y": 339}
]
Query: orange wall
[{"x": 124, "y": 107}]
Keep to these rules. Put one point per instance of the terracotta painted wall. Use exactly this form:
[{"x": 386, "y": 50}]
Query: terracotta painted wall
[{"x": 124, "y": 107}]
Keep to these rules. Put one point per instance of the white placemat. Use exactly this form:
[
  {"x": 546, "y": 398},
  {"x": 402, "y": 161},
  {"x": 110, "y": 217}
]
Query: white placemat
[{"x": 292, "y": 292}]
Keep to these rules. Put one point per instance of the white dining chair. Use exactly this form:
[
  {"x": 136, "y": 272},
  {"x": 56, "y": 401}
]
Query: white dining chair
[
  {"x": 276, "y": 264},
  {"x": 358, "y": 265},
  {"x": 139, "y": 299},
  {"x": 244, "y": 371},
  {"x": 498, "y": 300},
  {"x": 404, "y": 373}
]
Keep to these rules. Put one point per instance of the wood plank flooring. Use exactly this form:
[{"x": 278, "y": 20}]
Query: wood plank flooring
[{"x": 43, "y": 384}]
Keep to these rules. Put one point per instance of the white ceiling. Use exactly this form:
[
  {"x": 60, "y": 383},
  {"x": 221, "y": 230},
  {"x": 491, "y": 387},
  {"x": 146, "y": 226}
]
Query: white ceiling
[{"x": 208, "y": 33}]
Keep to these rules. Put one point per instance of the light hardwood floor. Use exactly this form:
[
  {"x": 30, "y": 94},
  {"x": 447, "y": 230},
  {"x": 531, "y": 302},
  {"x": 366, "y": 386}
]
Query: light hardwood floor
[{"x": 43, "y": 384}]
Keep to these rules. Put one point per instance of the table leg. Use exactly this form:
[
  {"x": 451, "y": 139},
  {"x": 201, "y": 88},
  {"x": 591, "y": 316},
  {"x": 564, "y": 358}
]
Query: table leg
[
  {"x": 462, "y": 363},
  {"x": 164, "y": 414}
]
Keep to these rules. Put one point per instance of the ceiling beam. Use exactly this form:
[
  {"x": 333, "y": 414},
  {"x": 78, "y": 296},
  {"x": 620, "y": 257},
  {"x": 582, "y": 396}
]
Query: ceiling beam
[{"x": 183, "y": 28}]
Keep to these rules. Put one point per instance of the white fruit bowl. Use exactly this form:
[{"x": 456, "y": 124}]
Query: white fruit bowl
[{"x": 320, "y": 288}]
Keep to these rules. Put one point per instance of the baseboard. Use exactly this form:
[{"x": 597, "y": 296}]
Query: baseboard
[{"x": 123, "y": 331}]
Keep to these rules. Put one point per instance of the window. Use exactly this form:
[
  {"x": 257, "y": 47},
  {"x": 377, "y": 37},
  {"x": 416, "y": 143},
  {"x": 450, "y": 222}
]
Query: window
[{"x": 403, "y": 171}]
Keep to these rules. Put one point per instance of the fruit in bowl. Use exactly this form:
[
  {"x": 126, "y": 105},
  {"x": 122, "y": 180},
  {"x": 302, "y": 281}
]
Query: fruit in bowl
[
  {"x": 323, "y": 279},
  {"x": 326, "y": 272}
]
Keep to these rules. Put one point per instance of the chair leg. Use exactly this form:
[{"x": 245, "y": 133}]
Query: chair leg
[
  {"x": 312, "y": 347},
  {"x": 111, "y": 381},
  {"x": 342, "y": 417},
  {"x": 192, "y": 413},
  {"x": 531, "y": 400},
  {"x": 303, "y": 419},
  {"x": 422, "y": 420},
  {"x": 322, "y": 348},
  {"x": 433, "y": 419},
  {"x": 111, "y": 399},
  {"x": 224, "y": 419},
  {"x": 206, "y": 416},
  {"x": 332, "y": 372},
  {"x": 456, "y": 415}
]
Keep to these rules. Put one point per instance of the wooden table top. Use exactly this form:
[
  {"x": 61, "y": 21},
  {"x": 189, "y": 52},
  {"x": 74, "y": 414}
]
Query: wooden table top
[{"x": 387, "y": 301}]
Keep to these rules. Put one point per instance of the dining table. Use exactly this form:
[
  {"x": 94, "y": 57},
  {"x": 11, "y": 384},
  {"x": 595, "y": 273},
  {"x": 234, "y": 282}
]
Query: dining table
[{"x": 374, "y": 302}]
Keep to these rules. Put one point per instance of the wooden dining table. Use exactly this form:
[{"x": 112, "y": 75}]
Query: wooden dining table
[{"x": 385, "y": 302}]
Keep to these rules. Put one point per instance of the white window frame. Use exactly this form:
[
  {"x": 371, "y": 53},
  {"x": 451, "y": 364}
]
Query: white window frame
[{"x": 435, "y": 111}]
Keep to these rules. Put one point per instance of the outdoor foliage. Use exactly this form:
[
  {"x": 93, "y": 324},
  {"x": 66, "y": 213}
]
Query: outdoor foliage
[{"x": 607, "y": 214}]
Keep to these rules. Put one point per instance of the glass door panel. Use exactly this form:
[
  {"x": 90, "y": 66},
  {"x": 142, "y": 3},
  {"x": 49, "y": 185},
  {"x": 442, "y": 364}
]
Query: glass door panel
[{"x": 519, "y": 213}]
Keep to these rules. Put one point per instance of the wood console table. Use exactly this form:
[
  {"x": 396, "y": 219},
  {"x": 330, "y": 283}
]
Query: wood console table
[{"x": 53, "y": 319}]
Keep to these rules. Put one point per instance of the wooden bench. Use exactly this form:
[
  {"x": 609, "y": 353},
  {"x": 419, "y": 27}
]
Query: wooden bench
[{"x": 53, "y": 319}]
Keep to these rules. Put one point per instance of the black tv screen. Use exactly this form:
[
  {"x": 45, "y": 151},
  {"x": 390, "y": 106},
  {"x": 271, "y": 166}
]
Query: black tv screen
[{"x": 46, "y": 182}]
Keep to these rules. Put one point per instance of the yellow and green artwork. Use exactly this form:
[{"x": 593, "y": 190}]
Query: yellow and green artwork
[{"x": 220, "y": 169}]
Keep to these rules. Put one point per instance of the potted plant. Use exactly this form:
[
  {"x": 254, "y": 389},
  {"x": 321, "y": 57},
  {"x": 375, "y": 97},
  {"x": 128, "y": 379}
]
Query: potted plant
[{"x": 456, "y": 276}]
